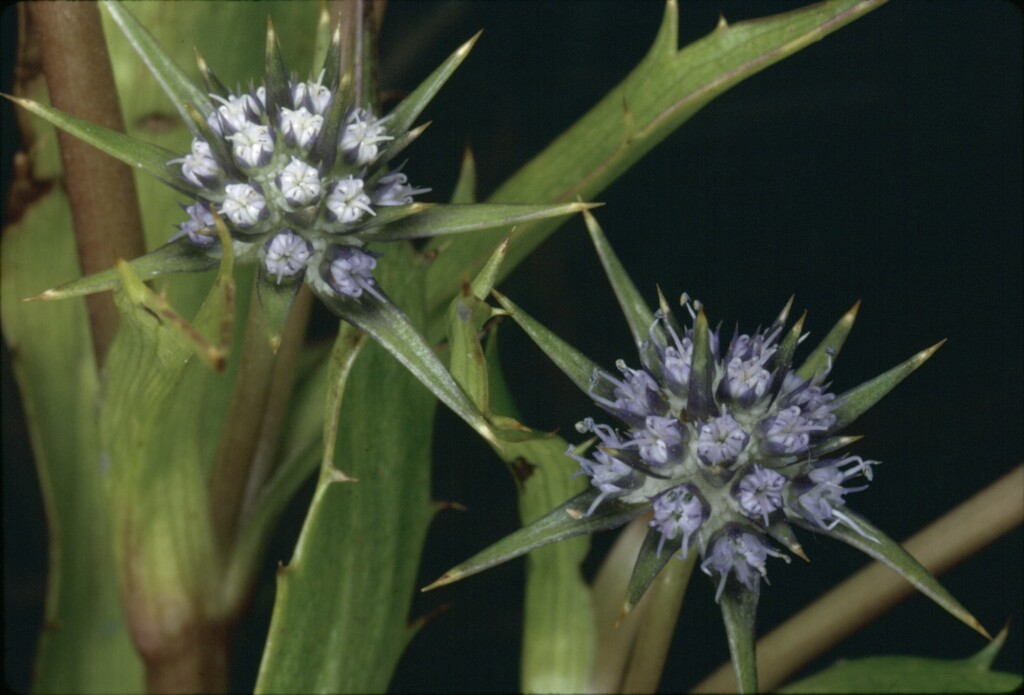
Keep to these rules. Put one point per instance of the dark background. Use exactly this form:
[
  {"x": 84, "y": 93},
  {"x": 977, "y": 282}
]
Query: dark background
[{"x": 882, "y": 164}]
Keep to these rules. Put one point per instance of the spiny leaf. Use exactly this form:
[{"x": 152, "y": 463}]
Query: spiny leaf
[
  {"x": 700, "y": 399},
  {"x": 824, "y": 355},
  {"x": 891, "y": 553},
  {"x": 278, "y": 93},
  {"x": 649, "y": 562},
  {"x": 178, "y": 256},
  {"x": 403, "y": 115},
  {"x": 386, "y": 324},
  {"x": 136, "y": 153},
  {"x": 567, "y": 521},
  {"x": 573, "y": 363},
  {"x": 856, "y": 401},
  {"x": 638, "y": 314},
  {"x": 464, "y": 192},
  {"x": 908, "y": 674},
  {"x": 459, "y": 219},
  {"x": 174, "y": 82}
]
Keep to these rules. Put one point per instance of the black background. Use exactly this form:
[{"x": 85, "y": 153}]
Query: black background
[{"x": 882, "y": 164}]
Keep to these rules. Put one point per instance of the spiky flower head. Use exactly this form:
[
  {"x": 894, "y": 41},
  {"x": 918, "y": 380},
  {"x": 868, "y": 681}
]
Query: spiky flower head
[
  {"x": 723, "y": 445},
  {"x": 300, "y": 171}
]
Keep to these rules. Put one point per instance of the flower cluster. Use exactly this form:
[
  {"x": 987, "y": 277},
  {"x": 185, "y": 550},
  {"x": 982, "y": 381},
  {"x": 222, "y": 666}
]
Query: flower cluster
[
  {"x": 727, "y": 457},
  {"x": 292, "y": 185}
]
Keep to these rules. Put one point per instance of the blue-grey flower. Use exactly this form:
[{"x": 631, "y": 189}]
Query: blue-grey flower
[
  {"x": 303, "y": 172},
  {"x": 723, "y": 451}
]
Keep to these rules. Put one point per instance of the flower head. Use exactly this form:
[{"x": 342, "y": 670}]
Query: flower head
[{"x": 723, "y": 449}]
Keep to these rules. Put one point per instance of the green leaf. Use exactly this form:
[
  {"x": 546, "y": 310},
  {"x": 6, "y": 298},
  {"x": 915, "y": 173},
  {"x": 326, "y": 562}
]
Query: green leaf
[
  {"x": 85, "y": 645},
  {"x": 567, "y": 521},
  {"x": 459, "y": 219},
  {"x": 466, "y": 317},
  {"x": 824, "y": 355},
  {"x": 739, "y": 612},
  {"x": 391, "y": 328},
  {"x": 853, "y": 403},
  {"x": 136, "y": 153},
  {"x": 177, "y": 256},
  {"x": 558, "y": 624},
  {"x": 573, "y": 363},
  {"x": 402, "y": 116},
  {"x": 340, "y": 621},
  {"x": 649, "y": 562},
  {"x": 174, "y": 82},
  {"x": 276, "y": 301},
  {"x": 908, "y": 674},
  {"x": 638, "y": 314},
  {"x": 887, "y": 551},
  {"x": 279, "y": 94},
  {"x": 700, "y": 401},
  {"x": 464, "y": 192},
  {"x": 660, "y": 94}
]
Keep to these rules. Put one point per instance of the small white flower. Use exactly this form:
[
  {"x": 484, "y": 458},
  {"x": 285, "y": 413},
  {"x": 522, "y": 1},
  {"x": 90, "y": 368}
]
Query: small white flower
[
  {"x": 361, "y": 136},
  {"x": 287, "y": 255},
  {"x": 199, "y": 167},
  {"x": 300, "y": 127},
  {"x": 234, "y": 113},
  {"x": 243, "y": 205},
  {"x": 198, "y": 225},
  {"x": 394, "y": 189},
  {"x": 253, "y": 146},
  {"x": 313, "y": 94},
  {"x": 347, "y": 202},
  {"x": 299, "y": 182}
]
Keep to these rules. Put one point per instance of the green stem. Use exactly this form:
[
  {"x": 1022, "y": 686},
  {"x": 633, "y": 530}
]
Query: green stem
[
  {"x": 104, "y": 204},
  {"x": 868, "y": 594},
  {"x": 252, "y": 426}
]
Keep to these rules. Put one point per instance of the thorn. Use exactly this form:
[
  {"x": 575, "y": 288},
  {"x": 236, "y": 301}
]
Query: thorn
[
  {"x": 446, "y": 578},
  {"x": 336, "y": 475}
]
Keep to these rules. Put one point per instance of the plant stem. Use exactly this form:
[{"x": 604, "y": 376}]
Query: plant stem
[
  {"x": 252, "y": 426},
  {"x": 104, "y": 204},
  {"x": 869, "y": 593},
  {"x": 198, "y": 665}
]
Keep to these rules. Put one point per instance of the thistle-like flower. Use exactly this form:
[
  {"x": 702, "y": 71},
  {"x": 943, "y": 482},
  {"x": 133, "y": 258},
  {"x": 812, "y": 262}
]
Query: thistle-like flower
[
  {"x": 725, "y": 445},
  {"x": 301, "y": 172}
]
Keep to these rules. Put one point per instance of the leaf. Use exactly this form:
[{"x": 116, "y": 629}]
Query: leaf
[
  {"x": 458, "y": 219},
  {"x": 136, "y": 153},
  {"x": 391, "y": 328},
  {"x": 567, "y": 521},
  {"x": 739, "y": 611},
  {"x": 340, "y": 617},
  {"x": 85, "y": 645},
  {"x": 174, "y": 82},
  {"x": 466, "y": 317},
  {"x": 856, "y": 401},
  {"x": 573, "y": 363},
  {"x": 700, "y": 402},
  {"x": 908, "y": 674},
  {"x": 638, "y": 314},
  {"x": 177, "y": 256},
  {"x": 822, "y": 357},
  {"x": 649, "y": 562},
  {"x": 276, "y": 301},
  {"x": 660, "y": 94},
  {"x": 464, "y": 192},
  {"x": 891, "y": 553},
  {"x": 559, "y": 643},
  {"x": 402, "y": 116}
]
